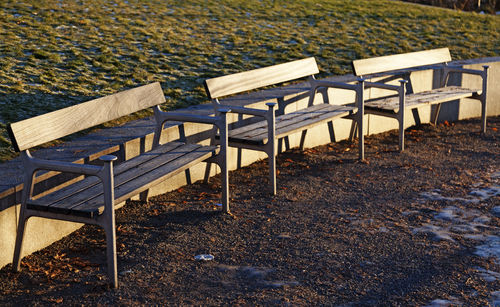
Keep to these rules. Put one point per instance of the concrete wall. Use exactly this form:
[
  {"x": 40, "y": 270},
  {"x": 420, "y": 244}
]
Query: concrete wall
[{"x": 129, "y": 140}]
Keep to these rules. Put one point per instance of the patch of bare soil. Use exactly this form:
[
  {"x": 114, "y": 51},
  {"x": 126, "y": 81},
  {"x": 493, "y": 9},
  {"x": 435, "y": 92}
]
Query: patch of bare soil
[{"x": 414, "y": 228}]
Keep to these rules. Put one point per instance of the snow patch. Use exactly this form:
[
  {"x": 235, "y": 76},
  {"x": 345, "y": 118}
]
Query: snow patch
[
  {"x": 486, "y": 193},
  {"x": 487, "y": 275},
  {"x": 452, "y": 223},
  {"x": 438, "y": 233},
  {"x": 490, "y": 248},
  {"x": 444, "y": 303},
  {"x": 495, "y": 302},
  {"x": 447, "y": 214},
  {"x": 438, "y": 197},
  {"x": 496, "y": 211}
]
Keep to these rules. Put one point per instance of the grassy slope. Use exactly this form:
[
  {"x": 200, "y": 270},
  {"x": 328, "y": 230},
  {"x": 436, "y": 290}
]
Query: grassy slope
[{"x": 55, "y": 53}]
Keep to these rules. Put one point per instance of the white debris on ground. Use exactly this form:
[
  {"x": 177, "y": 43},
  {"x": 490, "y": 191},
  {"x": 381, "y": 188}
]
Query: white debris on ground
[
  {"x": 490, "y": 248},
  {"x": 435, "y": 195},
  {"x": 444, "y": 303},
  {"x": 487, "y": 275},
  {"x": 496, "y": 299},
  {"x": 458, "y": 221}
]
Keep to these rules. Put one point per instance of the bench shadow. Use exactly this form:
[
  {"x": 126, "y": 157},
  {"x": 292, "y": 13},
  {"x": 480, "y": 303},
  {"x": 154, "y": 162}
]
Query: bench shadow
[{"x": 184, "y": 217}]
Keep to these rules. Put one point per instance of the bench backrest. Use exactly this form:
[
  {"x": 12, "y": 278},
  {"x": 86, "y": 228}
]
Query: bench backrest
[
  {"x": 400, "y": 61},
  {"x": 257, "y": 78},
  {"x": 51, "y": 126}
]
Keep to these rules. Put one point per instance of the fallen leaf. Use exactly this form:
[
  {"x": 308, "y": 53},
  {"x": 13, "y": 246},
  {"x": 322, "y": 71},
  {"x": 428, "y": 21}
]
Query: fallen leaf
[{"x": 55, "y": 300}]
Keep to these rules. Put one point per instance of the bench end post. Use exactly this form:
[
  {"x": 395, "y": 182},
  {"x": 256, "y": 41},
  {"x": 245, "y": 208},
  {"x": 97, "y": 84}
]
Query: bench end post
[
  {"x": 484, "y": 98},
  {"x": 108, "y": 222},
  {"x": 271, "y": 144}
]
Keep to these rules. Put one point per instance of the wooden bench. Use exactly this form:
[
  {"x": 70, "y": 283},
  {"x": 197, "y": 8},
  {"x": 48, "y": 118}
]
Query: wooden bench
[
  {"x": 263, "y": 134},
  {"x": 94, "y": 199},
  {"x": 397, "y": 66}
]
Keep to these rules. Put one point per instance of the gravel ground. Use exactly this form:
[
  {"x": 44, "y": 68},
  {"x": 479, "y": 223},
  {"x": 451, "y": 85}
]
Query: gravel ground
[{"x": 416, "y": 228}]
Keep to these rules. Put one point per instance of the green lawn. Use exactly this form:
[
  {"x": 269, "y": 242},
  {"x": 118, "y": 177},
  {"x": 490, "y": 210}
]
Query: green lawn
[{"x": 54, "y": 53}]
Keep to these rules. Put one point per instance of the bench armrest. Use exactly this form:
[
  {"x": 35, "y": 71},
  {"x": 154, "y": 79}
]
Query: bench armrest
[
  {"x": 162, "y": 117},
  {"x": 243, "y": 110},
  {"x": 321, "y": 83},
  {"x": 482, "y": 73},
  {"x": 383, "y": 86},
  {"x": 36, "y": 164},
  {"x": 32, "y": 165},
  {"x": 459, "y": 69}
]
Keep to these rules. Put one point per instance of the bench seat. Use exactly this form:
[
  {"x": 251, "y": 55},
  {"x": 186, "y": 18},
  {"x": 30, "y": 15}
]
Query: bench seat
[
  {"x": 85, "y": 198},
  {"x": 416, "y": 100},
  {"x": 290, "y": 123}
]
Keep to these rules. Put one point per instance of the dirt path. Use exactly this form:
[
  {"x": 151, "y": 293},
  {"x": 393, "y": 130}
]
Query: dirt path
[{"x": 417, "y": 228}]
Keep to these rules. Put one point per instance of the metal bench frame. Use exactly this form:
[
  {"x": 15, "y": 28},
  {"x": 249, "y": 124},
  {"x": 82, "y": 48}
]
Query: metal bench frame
[
  {"x": 400, "y": 66},
  {"x": 113, "y": 106},
  {"x": 267, "y": 141}
]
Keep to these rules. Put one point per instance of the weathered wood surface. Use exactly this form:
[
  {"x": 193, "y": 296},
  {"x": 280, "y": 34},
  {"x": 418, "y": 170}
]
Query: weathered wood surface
[
  {"x": 388, "y": 63},
  {"x": 88, "y": 182},
  {"x": 257, "y": 78},
  {"x": 416, "y": 100},
  {"x": 85, "y": 198},
  {"x": 290, "y": 123},
  {"x": 54, "y": 125}
]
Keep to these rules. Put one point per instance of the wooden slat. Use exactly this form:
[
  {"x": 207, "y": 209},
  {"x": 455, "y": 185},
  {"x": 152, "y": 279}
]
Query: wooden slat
[
  {"x": 261, "y": 126},
  {"x": 400, "y": 61},
  {"x": 146, "y": 180},
  {"x": 291, "y": 122},
  {"x": 252, "y": 79},
  {"x": 67, "y": 205},
  {"x": 314, "y": 120},
  {"x": 44, "y": 202},
  {"x": 423, "y": 98},
  {"x": 54, "y": 125}
]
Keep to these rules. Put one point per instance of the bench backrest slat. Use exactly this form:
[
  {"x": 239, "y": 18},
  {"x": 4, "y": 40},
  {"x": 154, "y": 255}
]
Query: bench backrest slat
[
  {"x": 51, "y": 126},
  {"x": 400, "y": 61},
  {"x": 257, "y": 78}
]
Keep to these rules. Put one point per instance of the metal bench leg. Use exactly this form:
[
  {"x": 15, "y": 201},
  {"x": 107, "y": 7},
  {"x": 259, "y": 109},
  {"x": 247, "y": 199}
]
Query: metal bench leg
[
  {"x": 302, "y": 139},
  {"x": 436, "y": 114},
  {"x": 111, "y": 253},
  {"x": 29, "y": 178},
  {"x": 271, "y": 145},
  {"x": 108, "y": 218},
  {"x": 208, "y": 167},
  {"x": 359, "y": 121},
  {"x": 331, "y": 131},
  {"x": 222, "y": 159},
  {"x": 271, "y": 154},
  {"x": 16, "y": 262},
  {"x": 272, "y": 170},
  {"x": 401, "y": 114},
  {"x": 225, "y": 186},
  {"x": 353, "y": 132},
  {"x": 483, "y": 99},
  {"x": 207, "y": 172},
  {"x": 401, "y": 132},
  {"x": 483, "y": 115},
  {"x": 144, "y": 196},
  {"x": 416, "y": 117}
]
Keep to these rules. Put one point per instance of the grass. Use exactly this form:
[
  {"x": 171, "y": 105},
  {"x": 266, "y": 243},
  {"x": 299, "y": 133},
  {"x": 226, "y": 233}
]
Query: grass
[{"x": 55, "y": 53}]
